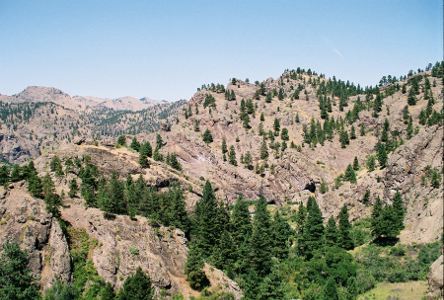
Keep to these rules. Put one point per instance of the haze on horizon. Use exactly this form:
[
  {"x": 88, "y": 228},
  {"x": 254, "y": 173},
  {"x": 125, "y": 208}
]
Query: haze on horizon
[{"x": 166, "y": 49}]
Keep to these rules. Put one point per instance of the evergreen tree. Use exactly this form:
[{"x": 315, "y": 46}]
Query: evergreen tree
[
  {"x": 206, "y": 231},
  {"x": 107, "y": 292},
  {"x": 273, "y": 286},
  {"x": 371, "y": 163},
  {"x": 263, "y": 149},
  {"x": 224, "y": 146},
  {"x": 121, "y": 140},
  {"x": 159, "y": 141},
  {"x": 207, "y": 137},
  {"x": 16, "y": 173},
  {"x": 362, "y": 130},
  {"x": 232, "y": 156},
  {"x": 240, "y": 224},
  {"x": 4, "y": 175},
  {"x": 377, "y": 105},
  {"x": 276, "y": 126},
  {"x": 260, "y": 242},
  {"x": 284, "y": 134},
  {"x": 411, "y": 98},
  {"x": 345, "y": 240},
  {"x": 111, "y": 196},
  {"x": 193, "y": 269},
  {"x": 352, "y": 289},
  {"x": 174, "y": 163},
  {"x": 409, "y": 128},
  {"x": 331, "y": 233},
  {"x": 352, "y": 133},
  {"x": 16, "y": 281},
  {"x": 382, "y": 155},
  {"x": 248, "y": 160},
  {"x": 399, "y": 209},
  {"x": 143, "y": 157},
  {"x": 366, "y": 197},
  {"x": 137, "y": 286},
  {"x": 375, "y": 218},
  {"x": 262, "y": 117},
  {"x": 35, "y": 185},
  {"x": 330, "y": 290},
  {"x": 223, "y": 256},
  {"x": 350, "y": 174},
  {"x": 355, "y": 164},
  {"x": 157, "y": 156},
  {"x": 281, "y": 231},
  {"x": 314, "y": 229},
  {"x": 135, "y": 144}
]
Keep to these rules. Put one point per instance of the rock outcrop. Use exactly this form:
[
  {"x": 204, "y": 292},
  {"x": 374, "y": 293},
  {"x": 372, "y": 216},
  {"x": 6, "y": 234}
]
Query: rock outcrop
[
  {"x": 24, "y": 220},
  {"x": 435, "y": 278}
]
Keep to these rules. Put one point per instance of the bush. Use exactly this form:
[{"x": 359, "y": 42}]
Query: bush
[{"x": 134, "y": 250}]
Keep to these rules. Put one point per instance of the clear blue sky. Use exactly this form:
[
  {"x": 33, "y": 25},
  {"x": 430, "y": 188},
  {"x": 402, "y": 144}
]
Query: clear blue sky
[{"x": 166, "y": 49}]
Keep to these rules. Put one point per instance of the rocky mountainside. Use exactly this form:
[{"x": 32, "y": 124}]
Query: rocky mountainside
[
  {"x": 299, "y": 172},
  {"x": 287, "y": 139},
  {"x": 41, "y": 119}
]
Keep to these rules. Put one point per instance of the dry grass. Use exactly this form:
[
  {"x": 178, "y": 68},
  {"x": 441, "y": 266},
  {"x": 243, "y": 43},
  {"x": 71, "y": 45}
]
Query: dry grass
[{"x": 414, "y": 290}]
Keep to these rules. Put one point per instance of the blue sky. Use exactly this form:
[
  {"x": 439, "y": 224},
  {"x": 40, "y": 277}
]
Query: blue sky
[{"x": 166, "y": 49}]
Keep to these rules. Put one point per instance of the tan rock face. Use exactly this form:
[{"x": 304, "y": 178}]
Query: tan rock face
[
  {"x": 25, "y": 222},
  {"x": 435, "y": 278}
]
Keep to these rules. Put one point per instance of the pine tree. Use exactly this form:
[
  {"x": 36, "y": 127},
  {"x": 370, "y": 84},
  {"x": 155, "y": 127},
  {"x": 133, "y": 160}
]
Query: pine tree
[
  {"x": 223, "y": 256},
  {"x": 224, "y": 146},
  {"x": 371, "y": 163},
  {"x": 263, "y": 149},
  {"x": 345, "y": 240},
  {"x": 314, "y": 229},
  {"x": 143, "y": 154},
  {"x": 350, "y": 174},
  {"x": 273, "y": 286},
  {"x": 207, "y": 137},
  {"x": 399, "y": 209},
  {"x": 409, "y": 128},
  {"x": 331, "y": 233},
  {"x": 276, "y": 126},
  {"x": 135, "y": 144},
  {"x": 248, "y": 160},
  {"x": 174, "y": 163},
  {"x": 366, "y": 197},
  {"x": 352, "y": 289},
  {"x": 352, "y": 133},
  {"x": 355, "y": 164},
  {"x": 121, "y": 140},
  {"x": 240, "y": 222},
  {"x": 362, "y": 130},
  {"x": 232, "y": 156},
  {"x": 206, "y": 231},
  {"x": 377, "y": 105},
  {"x": 262, "y": 117},
  {"x": 411, "y": 98},
  {"x": 193, "y": 269},
  {"x": 16, "y": 280},
  {"x": 159, "y": 141},
  {"x": 137, "y": 286},
  {"x": 376, "y": 217},
  {"x": 382, "y": 155},
  {"x": 35, "y": 185},
  {"x": 260, "y": 243},
  {"x": 281, "y": 231},
  {"x": 4, "y": 175},
  {"x": 16, "y": 173},
  {"x": 107, "y": 292},
  {"x": 330, "y": 290},
  {"x": 284, "y": 134},
  {"x": 157, "y": 156}
]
